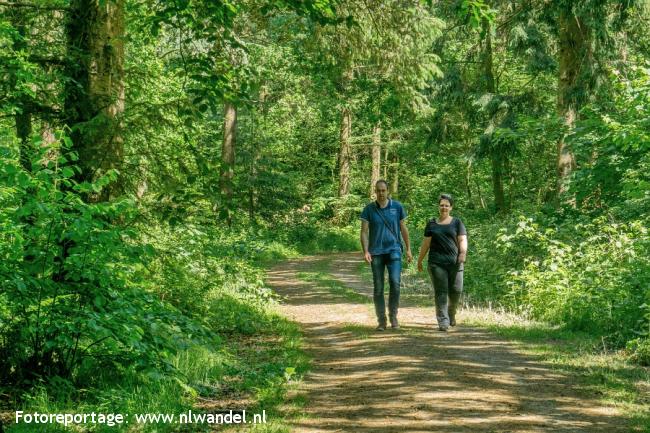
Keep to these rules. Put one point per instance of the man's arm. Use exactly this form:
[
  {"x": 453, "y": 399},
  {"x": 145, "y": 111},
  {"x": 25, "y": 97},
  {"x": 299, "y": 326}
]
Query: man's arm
[
  {"x": 407, "y": 242},
  {"x": 462, "y": 248},
  {"x": 364, "y": 241}
]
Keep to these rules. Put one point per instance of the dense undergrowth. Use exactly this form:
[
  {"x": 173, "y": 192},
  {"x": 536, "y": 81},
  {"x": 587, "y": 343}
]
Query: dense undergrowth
[
  {"x": 584, "y": 274},
  {"x": 107, "y": 309}
]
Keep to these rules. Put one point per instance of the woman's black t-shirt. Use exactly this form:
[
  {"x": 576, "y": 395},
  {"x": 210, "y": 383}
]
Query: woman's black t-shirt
[{"x": 444, "y": 248}]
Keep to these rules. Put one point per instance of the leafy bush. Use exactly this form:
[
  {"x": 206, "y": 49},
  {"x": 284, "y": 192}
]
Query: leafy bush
[
  {"x": 72, "y": 301},
  {"x": 588, "y": 276},
  {"x": 640, "y": 350},
  {"x": 105, "y": 307},
  {"x": 616, "y": 132}
]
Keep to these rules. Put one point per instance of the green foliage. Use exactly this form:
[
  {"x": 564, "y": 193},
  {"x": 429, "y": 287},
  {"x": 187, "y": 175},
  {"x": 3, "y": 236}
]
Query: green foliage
[
  {"x": 590, "y": 285},
  {"x": 73, "y": 301},
  {"x": 617, "y": 132},
  {"x": 586, "y": 276},
  {"x": 475, "y": 12},
  {"x": 142, "y": 314},
  {"x": 640, "y": 349}
]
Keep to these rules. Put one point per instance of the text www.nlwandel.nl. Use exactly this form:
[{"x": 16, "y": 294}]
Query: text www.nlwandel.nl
[{"x": 114, "y": 419}]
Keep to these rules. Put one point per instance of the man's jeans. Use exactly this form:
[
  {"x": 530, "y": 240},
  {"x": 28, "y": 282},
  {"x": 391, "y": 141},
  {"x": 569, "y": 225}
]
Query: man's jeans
[
  {"x": 448, "y": 287},
  {"x": 394, "y": 266}
]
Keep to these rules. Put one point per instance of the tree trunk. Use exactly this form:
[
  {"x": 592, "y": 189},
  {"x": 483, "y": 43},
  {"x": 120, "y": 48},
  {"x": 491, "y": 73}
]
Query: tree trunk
[
  {"x": 394, "y": 184},
  {"x": 251, "y": 189},
  {"x": 468, "y": 179},
  {"x": 257, "y": 142},
  {"x": 344, "y": 153},
  {"x": 488, "y": 61},
  {"x": 495, "y": 156},
  {"x": 376, "y": 158},
  {"x": 48, "y": 137},
  {"x": 507, "y": 169},
  {"x": 95, "y": 87},
  {"x": 480, "y": 194},
  {"x": 23, "y": 118},
  {"x": 228, "y": 150},
  {"x": 386, "y": 163},
  {"x": 575, "y": 53},
  {"x": 497, "y": 184}
]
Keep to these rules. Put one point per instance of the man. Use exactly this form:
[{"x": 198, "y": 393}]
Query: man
[{"x": 382, "y": 228}]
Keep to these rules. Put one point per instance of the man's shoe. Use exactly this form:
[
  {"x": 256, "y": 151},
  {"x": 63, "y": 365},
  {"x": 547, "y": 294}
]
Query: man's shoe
[
  {"x": 394, "y": 323},
  {"x": 380, "y": 327},
  {"x": 452, "y": 322},
  {"x": 443, "y": 328}
]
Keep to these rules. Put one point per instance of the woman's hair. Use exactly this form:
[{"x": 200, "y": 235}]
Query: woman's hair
[{"x": 447, "y": 197}]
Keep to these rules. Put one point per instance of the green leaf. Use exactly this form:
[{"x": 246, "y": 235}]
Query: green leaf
[{"x": 67, "y": 172}]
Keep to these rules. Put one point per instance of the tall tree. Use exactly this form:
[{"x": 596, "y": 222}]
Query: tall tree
[
  {"x": 228, "y": 152},
  {"x": 94, "y": 94},
  {"x": 23, "y": 115},
  {"x": 587, "y": 35},
  {"x": 495, "y": 156},
  {"x": 394, "y": 173},
  {"x": 344, "y": 152},
  {"x": 376, "y": 157},
  {"x": 575, "y": 59},
  {"x": 387, "y": 44}
]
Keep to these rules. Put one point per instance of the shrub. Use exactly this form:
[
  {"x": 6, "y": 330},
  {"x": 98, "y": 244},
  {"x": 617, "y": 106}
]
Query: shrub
[
  {"x": 72, "y": 300},
  {"x": 586, "y": 275}
]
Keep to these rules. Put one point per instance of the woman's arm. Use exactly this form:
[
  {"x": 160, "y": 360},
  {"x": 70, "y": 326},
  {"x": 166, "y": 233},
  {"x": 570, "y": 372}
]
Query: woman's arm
[
  {"x": 424, "y": 248},
  {"x": 462, "y": 248},
  {"x": 407, "y": 241}
]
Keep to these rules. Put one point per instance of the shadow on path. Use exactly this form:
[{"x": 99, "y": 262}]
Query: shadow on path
[{"x": 417, "y": 379}]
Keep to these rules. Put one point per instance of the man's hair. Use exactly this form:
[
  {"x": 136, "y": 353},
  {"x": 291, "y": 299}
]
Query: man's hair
[
  {"x": 381, "y": 181},
  {"x": 447, "y": 197}
]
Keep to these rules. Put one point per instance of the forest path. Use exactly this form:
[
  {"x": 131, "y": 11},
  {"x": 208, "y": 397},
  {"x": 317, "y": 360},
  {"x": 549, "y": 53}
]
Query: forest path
[{"x": 417, "y": 379}]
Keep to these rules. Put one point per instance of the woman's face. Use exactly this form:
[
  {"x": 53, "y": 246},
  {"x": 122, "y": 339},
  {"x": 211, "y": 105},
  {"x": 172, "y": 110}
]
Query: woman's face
[{"x": 444, "y": 207}]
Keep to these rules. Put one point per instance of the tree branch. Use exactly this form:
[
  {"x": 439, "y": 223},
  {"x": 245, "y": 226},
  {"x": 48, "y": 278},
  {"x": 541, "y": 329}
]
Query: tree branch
[{"x": 43, "y": 60}]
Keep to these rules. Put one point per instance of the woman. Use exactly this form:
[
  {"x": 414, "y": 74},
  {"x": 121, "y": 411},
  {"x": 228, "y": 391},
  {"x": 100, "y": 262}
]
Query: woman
[{"x": 445, "y": 239}]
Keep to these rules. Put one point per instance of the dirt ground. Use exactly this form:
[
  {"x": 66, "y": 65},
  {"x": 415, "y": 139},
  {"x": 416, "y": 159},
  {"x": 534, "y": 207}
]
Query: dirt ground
[{"x": 418, "y": 379}]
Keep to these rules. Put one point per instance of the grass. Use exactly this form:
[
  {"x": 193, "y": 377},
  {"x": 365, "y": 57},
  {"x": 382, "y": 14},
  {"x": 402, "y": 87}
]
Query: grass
[
  {"x": 359, "y": 331},
  {"x": 324, "y": 280},
  {"x": 251, "y": 372},
  {"x": 599, "y": 370}
]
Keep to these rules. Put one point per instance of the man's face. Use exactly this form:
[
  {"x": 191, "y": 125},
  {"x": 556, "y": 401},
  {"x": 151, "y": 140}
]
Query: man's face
[{"x": 381, "y": 191}]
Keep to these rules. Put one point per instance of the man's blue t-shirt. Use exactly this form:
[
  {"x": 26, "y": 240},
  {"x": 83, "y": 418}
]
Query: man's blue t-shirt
[{"x": 381, "y": 240}]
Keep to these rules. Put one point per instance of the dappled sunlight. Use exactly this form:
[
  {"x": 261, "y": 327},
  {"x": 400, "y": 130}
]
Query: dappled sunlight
[{"x": 417, "y": 379}]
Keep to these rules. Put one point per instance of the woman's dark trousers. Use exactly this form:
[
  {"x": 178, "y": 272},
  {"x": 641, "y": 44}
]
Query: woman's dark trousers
[
  {"x": 448, "y": 287},
  {"x": 394, "y": 266}
]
